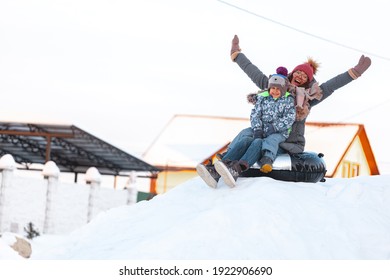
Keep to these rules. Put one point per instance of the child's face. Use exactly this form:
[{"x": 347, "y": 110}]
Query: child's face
[{"x": 275, "y": 92}]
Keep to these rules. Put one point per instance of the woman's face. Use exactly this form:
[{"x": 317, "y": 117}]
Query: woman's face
[{"x": 299, "y": 78}]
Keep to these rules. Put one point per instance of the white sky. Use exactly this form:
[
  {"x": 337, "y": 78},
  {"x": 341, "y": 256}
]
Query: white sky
[
  {"x": 259, "y": 219},
  {"x": 121, "y": 69}
]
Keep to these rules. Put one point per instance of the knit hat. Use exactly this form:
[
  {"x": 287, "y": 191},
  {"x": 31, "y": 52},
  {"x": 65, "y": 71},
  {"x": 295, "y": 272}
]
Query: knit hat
[
  {"x": 310, "y": 68},
  {"x": 279, "y": 80}
]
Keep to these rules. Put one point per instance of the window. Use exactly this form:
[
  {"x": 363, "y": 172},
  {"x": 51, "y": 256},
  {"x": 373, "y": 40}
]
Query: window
[{"x": 350, "y": 169}]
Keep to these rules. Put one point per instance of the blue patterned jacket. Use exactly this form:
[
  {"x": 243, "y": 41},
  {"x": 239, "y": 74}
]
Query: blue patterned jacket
[{"x": 279, "y": 112}]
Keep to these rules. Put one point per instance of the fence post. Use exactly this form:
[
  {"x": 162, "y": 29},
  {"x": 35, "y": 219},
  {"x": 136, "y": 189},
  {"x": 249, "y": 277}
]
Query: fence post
[
  {"x": 7, "y": 166},
  {"x": 50, "y": 172},
  {"x": 132, "y": 192},
  {"x": 93, "y": 178}
]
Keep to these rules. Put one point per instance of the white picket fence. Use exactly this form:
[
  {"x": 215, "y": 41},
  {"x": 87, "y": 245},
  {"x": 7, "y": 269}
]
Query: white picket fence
[{"x": 55, "y": 207}]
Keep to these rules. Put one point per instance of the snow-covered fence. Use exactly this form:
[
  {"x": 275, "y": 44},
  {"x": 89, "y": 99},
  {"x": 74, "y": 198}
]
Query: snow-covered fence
[
  {"x": 7, "y": 166},
  {"x": 52, "y": 206},
  {"x": 132, "y": 192},
  {"x": 93, "y": 178},
  {"x": 51, "y": 173}
]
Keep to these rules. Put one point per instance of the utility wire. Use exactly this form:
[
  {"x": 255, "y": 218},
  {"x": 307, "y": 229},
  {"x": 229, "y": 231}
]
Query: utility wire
[
  {"x": 303, "y": 32},
  {"x": 320, "y": 38}
]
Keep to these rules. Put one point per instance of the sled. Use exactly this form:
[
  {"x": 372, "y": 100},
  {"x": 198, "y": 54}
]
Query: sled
[{"x": 302, "y": 167}]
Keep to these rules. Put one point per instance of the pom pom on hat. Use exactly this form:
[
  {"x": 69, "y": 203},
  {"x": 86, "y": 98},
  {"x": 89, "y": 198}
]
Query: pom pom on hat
[
  {"x": 279, "y": 80},
  {"x": 310, "y": 68},
  {"x": 282, "y": 71}
]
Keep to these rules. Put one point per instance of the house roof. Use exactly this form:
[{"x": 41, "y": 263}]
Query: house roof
[
  {"x": 188, "y": 140},
  {"x": 71, "y": 148},
  {"x": 334, "y": 139}
]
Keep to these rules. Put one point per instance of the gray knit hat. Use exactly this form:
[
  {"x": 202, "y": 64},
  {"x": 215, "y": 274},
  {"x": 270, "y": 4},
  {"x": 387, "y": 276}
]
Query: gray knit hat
[{"x": 279, "y": 81}]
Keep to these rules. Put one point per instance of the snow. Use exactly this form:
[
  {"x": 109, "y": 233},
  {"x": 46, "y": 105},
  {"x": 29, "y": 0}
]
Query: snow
[
  {"x": 7, "y": 162},
  {"x": 260, "y": 218},
  {"x": 261, "y": 222},
  {"x": 50, "y": 169},
  {"x": 93, "y": 175}
]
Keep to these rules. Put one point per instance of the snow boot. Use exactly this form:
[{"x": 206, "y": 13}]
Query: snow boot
[
  {"x": 230, "y": 170},
  {"x": 266, "y": 164},
  {"x": 208, "y": 174}
]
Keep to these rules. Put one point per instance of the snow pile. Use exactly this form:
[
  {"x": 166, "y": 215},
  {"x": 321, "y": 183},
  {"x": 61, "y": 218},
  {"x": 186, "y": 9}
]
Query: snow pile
[{"x": 261, "y": 218}]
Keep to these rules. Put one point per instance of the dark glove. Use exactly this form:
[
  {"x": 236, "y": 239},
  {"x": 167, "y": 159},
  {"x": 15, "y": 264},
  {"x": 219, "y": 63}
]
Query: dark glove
[
  {"x": 252, "y": 98},
  {"x": 361, "y": 67},
  {"x": 268, "y": 129},
  {"x": 258, "y": 133},
  {"x": 235, "y": 48}
]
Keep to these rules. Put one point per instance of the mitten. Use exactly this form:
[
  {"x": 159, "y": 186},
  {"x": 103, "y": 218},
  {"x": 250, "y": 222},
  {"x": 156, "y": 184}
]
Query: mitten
[
  {"x": 235, "y": 48},
  {"x": 360, "y": 68},
  {"x": 258, "y": 133},
  {"x": 268, "y": 129},
  {"x": 252, "y": 98},
  {"x": 302, "y": 113}
]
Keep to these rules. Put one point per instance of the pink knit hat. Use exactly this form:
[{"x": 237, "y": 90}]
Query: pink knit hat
[{"x": 309, "y": 67}]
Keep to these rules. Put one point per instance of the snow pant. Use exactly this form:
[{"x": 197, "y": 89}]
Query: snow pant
[
  {"x": 248, "y": 132},
  {"x": 246, "y": 148}
]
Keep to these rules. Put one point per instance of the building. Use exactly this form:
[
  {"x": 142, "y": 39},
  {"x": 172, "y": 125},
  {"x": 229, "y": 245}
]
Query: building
[{"x": 73, "y": 150}]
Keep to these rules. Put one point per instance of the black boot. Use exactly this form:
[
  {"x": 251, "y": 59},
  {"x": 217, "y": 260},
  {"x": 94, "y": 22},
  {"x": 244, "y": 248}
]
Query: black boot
[
  {"x": 229, "y": 171},
  {"x": 208, "y": 173}
]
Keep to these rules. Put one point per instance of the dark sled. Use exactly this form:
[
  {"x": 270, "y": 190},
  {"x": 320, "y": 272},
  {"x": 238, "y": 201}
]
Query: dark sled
[{"x": 303, "y": 167}]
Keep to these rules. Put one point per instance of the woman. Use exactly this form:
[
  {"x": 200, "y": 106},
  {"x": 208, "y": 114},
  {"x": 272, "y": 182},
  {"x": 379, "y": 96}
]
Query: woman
[{"x": 301, "y": 76}]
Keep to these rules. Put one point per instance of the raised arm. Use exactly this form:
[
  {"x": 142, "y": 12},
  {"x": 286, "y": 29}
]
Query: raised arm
[
  {"x": 251, "y": 70},
  {"x": 343, "y": 79}
]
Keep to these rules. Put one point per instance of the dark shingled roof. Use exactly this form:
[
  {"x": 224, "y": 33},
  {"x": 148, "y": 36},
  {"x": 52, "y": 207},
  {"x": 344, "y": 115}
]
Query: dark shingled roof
[{"x": 71, "y": 148}]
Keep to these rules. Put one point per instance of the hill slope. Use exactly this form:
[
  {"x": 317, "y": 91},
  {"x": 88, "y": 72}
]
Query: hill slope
[{"x": 261, "y": 218}]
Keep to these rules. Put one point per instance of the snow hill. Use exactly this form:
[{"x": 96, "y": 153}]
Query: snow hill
[{"x": 260, "y": 218}]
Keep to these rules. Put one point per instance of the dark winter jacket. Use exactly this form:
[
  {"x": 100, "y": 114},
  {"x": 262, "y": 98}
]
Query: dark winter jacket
[
  {"x": 277, "y": 112},
  {"x": 295, "y": 143}
]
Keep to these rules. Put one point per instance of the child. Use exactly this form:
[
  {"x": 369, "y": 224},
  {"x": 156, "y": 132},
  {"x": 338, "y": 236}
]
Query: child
[{"x": 271, "y": 121}]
